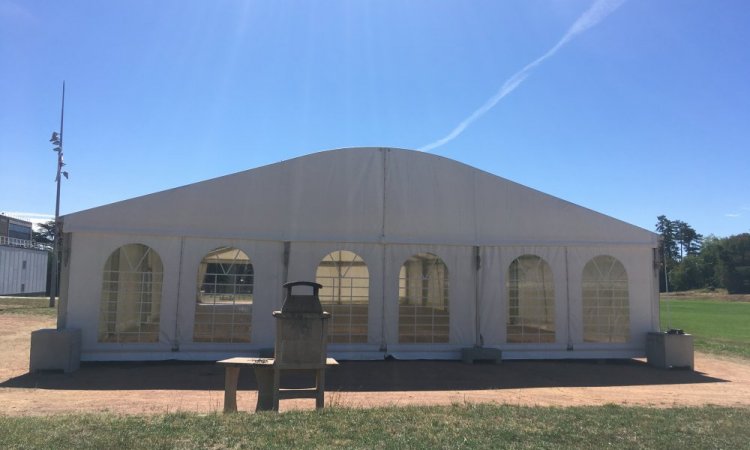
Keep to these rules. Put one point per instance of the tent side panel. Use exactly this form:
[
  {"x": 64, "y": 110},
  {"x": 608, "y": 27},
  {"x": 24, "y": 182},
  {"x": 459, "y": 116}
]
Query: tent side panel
[
  {"x": 459, "y": 261},
  {"x": 639, "y": 267},
  {"x": 267, "y": 261},
  {"x": 87, "y": 258},
  {"x": 304, "y": 260}
]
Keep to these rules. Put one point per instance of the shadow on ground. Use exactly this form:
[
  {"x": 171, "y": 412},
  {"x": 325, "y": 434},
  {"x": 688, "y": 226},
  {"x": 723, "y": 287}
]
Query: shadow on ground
[{"x": 370, "y": 376}]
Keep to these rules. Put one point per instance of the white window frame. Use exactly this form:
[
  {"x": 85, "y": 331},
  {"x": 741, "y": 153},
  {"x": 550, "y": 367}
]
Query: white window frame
[
  {"x": 227, "y": 311},
  {"x": 346, "y": 296},
  {"x": 137, "y": 282},
  {"x": 531, "y": 301},
  {"x": 605, "y": 301},
  {"x": 423, "y": 311}
]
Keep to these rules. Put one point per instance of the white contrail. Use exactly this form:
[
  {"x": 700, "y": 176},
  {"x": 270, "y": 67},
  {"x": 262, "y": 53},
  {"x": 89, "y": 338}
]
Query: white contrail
[{"x": 595, "y": 14}]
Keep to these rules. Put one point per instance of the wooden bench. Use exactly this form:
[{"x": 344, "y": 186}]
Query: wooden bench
[{"x": 268, "y": 377}]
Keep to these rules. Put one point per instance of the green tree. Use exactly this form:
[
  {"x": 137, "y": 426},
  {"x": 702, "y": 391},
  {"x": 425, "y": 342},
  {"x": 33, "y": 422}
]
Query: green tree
[
  {"x": 710, "y": 256},
  {"x": 688, "y": 240},
  {"x": 667, "y": 248},
  {"x": 690, "y": 273},
  {"x": 735, "y": 264},
  {"x": 679, "y": 249},
  {"x": 668, "y": 231},
  {"x": 45, "y": 233}
]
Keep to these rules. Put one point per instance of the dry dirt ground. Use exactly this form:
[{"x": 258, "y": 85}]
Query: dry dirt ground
[{"x": 137, "y": 388}]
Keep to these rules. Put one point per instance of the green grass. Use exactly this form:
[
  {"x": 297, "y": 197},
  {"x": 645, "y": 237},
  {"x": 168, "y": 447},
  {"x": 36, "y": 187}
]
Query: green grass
[
  {"x": 717, "y": 326},
  {"x": 458, "y": 426},
  {"x": 37, "y": 306}
]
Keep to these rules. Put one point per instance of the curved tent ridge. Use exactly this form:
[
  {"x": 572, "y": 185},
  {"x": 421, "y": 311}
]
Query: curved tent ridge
[{"x": 369, "y": 194}]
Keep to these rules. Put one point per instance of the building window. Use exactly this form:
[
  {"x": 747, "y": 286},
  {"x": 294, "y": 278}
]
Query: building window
[
  {"x": 531, "y": 301},
  {"x": 23, "y": 288},
  {"x": 17, "y": 231},
  {"x": 131, "y": 295},
  {"x": 23, "y": 265},
  {"x": 423, "y": 315},
  {"x": 224, "y": 304},
  {"x": 345, "y": 294},
  {"x": 606, "y": 311}
]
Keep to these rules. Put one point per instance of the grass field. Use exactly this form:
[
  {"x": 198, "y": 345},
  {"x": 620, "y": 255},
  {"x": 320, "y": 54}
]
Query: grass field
[
  {"x": 717, "y": 326},
  {"x": 459, "y": 426},
  {"x": 37, "y": 306}
]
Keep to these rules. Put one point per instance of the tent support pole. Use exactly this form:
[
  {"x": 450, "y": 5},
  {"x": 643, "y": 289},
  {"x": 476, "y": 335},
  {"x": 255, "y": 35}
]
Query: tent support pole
[
  {"x": 383, "y": 344},
  {"x": 287, "y": 251},
  {"x": 176, "y": 342},
  {"x": 567, "y": 299},
  {"x": 478, "y": 340}
]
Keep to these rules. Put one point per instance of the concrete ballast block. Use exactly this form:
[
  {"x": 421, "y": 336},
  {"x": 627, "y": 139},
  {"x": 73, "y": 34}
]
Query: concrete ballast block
[
  {"x": 471, "y": 354},
  {"x": 668, "y": 351},
  {"x": 53, "y": 349}
]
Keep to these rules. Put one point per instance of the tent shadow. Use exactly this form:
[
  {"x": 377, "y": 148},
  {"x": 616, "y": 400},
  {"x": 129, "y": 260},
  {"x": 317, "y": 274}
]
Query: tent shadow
[{"x": 369, "y": 376}]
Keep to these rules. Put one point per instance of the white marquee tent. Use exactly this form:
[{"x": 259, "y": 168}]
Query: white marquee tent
[{"x": 420, "y": 257}]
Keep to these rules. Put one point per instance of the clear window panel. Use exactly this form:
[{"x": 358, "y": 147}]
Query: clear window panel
[
  {"x": 346, "y": 295},
  {"x": 424, "y": 316},
  {"x": 531, "y": 301},
  {"x": 131, "y": 295},
  {"x": 224, "y": 303},
  {"x": 606, "y": 307}
]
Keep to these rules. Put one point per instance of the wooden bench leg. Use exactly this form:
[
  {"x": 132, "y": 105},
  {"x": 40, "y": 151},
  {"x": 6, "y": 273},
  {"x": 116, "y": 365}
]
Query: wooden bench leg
[
  {"x": 264, "y": 378},
  {"x": 231, "y": 376},
  {"x": 276, "y": 387},
  {"x": 320, "y": 388}
]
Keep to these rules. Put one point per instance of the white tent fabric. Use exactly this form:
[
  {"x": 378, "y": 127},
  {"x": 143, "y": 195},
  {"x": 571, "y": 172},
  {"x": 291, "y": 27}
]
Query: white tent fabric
[
  {"x": 326, "y": 196},
  {"x": 385, "y": 205}
]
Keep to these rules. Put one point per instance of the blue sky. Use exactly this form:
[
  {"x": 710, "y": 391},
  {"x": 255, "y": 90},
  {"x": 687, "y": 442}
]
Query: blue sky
[{"x": 645, "y": 112}]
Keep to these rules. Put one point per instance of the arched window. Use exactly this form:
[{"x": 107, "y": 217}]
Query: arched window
[
  {"x": 531, "y": 301},
  {"x": 423, "y": 316},
  {"x": 131, "y": 295},
  {"x": 345, "y": 294},
  {"x": 606, "y": 311},
  {"x": 224, "y": 304}
]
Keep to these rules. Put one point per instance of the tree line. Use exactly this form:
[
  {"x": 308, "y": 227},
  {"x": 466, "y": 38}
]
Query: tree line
[{"x": 694, "y": 262}]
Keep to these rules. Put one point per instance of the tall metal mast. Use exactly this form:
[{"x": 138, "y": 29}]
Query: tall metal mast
[{"x": 57, "y": 141}]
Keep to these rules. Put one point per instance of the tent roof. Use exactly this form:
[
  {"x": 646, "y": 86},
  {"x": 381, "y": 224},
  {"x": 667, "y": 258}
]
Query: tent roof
[{"x": 362, "y": 195}]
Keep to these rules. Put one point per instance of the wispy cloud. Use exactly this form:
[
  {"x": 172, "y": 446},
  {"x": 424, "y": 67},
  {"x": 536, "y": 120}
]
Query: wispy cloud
[
  {"x": 738, "y": 212},
  {"x": 13, "y": 11},
  {"x": 595, "y": 14}
]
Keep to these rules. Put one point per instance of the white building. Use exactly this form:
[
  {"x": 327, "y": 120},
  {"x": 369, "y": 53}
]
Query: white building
[
  {"x": 420, "y": 255},
  {"x": 23, "y": 265}
]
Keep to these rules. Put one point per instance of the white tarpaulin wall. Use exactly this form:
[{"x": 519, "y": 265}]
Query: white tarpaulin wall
[
  {"x": 567, "y": 264},
  {"x": 385, "y": 206}
]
